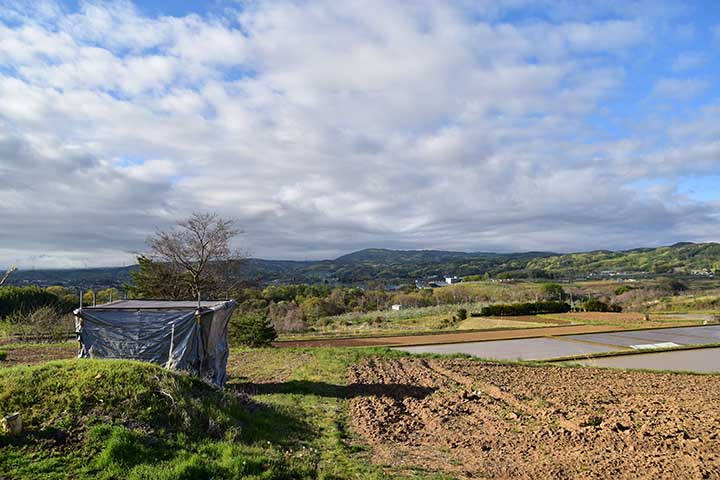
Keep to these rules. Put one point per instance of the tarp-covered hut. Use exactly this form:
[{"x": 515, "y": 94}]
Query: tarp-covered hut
[{"x": 175, "y": 334}]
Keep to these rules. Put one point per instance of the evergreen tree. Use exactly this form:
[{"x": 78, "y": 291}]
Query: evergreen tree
[
  {"x": 156, "y": 280},
  {"x": 252, "y": 330}
]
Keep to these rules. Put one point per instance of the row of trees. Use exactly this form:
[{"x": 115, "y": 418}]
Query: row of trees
[{"x": 528, "y": 308}]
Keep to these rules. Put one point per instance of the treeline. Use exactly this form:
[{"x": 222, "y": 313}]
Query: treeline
[
  {"x": 25, "y": 300},
  {"x": 294, "y": 308},
  {"x": 527, "y": 308},
  {"x": 28, "y": 299}
]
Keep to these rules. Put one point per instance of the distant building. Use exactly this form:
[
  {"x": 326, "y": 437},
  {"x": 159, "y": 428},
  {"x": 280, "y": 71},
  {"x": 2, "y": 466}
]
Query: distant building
[
  {"x": 397, "y": 306},
  {"x": 451, "y": 280}
]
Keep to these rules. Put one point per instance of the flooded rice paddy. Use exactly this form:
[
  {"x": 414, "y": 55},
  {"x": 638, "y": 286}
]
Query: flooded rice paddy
[
  {"x": 554, "y": 347},
  {"x": 703, "y": 360}
]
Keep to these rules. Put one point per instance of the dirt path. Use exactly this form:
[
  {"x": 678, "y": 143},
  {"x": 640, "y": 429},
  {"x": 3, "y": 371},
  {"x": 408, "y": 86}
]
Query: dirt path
[
  {"x": 460, "y": 337},
  {"x": 505, "y": 421}
]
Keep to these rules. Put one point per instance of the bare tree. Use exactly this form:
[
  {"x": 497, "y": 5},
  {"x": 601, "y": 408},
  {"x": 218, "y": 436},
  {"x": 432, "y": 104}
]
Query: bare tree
[
  {"x": 198, "y": 249},
  {"x": 7, "y": 274}
]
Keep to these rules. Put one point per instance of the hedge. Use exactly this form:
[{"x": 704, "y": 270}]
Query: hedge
[
  {"x": 595, "y": 305},
  {"x": 529, "y": 308},
  {"x": 27, "y": 299}
]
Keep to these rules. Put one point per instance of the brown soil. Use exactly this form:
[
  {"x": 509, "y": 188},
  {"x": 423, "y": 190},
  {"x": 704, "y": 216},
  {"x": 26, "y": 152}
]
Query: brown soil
[
  {"x": 32, "y": 354},
  {"x": 459, "y": 337},
  {"x": 508, "y": 421}
]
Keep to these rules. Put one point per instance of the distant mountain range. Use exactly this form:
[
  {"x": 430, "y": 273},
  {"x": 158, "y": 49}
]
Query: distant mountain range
[{"x": 406, "y": 266}]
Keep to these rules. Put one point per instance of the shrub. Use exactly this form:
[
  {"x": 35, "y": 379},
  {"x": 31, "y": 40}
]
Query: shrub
[
  {"x": 43, "y": 323},
  {"x": 528, "y": 308},
  {"x": 252, "y": 330},
  {"x": 27, "y": 299},
  {"x": 671, "y": 285},
  {"x": 623, "y": 289},
  {"x": 595, "y": 305},
  {"x": 462, "y": 313},
  {"x": 448, "y": 322}
]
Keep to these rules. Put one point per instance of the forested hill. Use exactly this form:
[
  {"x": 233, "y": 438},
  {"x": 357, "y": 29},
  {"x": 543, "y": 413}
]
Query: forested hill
[
  {"x": 409, "y": 265},
  {"x": 386, "y": 256},
  {"x": 679, "y": 258},
  {"x": 405, "y": 266},
  {"x": 76, "y": 277}
]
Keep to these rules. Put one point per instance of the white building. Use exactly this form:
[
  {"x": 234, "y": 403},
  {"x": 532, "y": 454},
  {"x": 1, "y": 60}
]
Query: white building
[
  {"x": 451, "y": 280},
  {"x": 397, "y": 306}
]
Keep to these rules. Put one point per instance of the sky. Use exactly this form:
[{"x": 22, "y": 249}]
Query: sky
[{"x": 328, "y": 126}]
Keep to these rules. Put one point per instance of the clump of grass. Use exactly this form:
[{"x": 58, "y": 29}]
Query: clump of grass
[
  {"x": 227, "y": 460},
  {"x": 120, "y": 447},
  {"x": 3, "y": 355}
]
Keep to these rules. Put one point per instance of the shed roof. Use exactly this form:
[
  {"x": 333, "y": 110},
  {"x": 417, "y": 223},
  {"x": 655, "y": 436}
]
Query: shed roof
[{"x": 162, "y": 305}]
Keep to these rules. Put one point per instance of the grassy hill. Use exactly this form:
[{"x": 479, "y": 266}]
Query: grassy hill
[
  {"x": 132, "y": 420},
  {"x": 284, "y": 415}
]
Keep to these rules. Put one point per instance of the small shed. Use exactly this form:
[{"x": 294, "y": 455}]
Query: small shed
[{"x": 178, "y": 335}]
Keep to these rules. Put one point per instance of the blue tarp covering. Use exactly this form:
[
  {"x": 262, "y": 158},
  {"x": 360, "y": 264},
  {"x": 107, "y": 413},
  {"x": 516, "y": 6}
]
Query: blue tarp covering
[{"x": 173, "y": 334}]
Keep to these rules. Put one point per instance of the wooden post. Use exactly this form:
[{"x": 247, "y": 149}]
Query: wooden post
[{"x": 12, "y": 424}]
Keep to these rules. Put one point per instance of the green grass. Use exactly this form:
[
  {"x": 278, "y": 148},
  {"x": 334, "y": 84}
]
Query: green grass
[
  {"x": 316, "y": 390},
  {"x": 122, "y": 419},
  {"x": 111, "y": 419}
]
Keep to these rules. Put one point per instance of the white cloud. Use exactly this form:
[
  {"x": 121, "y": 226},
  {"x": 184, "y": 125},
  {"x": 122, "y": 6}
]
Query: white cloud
[
  {"x": 680, "y": 88},
  {"x": 325, "y": 127},
  {"x": 689, "y": 61}
]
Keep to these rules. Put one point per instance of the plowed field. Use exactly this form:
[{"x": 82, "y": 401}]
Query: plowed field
[{"x": 472, "y": 419}]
